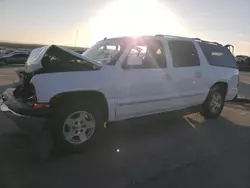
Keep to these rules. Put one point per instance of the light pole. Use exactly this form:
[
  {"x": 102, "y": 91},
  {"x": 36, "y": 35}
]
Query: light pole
[{"x": 76, "y": 39}]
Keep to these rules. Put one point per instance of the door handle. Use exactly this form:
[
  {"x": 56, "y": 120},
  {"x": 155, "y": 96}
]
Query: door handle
[
  {"x": 198, "y": 74},
  {"x": 167, "y": 77}
]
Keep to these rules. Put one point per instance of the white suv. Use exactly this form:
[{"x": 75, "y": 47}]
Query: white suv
[{"x": 116, "y": 79}]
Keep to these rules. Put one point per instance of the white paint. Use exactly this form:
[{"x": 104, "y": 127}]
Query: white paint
[{"x": 138, "y": 92}]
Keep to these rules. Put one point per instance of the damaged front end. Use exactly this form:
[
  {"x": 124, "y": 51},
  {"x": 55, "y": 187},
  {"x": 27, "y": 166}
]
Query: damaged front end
[
  {"x": 25, "y": 90},
  {"x": 56, "y": 59},
  {"x": 20, "y": 103},
  {"x": 49, "y": 59}
]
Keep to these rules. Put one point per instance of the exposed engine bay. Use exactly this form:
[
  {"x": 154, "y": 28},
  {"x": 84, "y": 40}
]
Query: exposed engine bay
[{"x": 25, "y": 90}]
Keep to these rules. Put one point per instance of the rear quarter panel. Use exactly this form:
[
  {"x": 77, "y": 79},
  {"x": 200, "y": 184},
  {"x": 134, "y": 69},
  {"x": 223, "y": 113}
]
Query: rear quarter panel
[
  {"x": 213, "y": 74},
  {"x": 224, "y": 74}
]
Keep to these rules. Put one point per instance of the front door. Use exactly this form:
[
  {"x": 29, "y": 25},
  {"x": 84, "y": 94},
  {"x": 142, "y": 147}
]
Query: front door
[{"x": 144, "y": 82}]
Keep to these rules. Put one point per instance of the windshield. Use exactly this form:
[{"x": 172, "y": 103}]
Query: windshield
[{"x": 106, "y": 51}]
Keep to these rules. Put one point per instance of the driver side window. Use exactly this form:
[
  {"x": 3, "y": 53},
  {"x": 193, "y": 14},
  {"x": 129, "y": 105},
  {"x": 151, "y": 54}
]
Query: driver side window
[
  {"x": 146, "y": 55},
  {"x": 107, "y": 53}
]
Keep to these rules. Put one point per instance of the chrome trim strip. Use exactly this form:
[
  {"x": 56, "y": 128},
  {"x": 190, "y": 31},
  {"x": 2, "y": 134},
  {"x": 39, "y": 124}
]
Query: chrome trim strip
[{"x": 156, "y": 100}]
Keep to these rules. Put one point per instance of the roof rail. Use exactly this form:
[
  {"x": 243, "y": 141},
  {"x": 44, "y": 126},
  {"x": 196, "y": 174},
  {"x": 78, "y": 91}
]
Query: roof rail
[
  {"x": 196, "y": 39},
  {"x": 209, "y": 42},
  {"x": 171, "y": 36}
]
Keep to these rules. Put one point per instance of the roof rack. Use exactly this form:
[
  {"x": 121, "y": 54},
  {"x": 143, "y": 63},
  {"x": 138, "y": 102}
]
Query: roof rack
[
  {"x": 196, "y": 39},
  {"x": 171, "y": 36},
  {"x": 209, "y": 42}
]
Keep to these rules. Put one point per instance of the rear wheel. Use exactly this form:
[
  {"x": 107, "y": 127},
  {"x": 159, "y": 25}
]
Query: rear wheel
[
  {"x": 77, "y": 126},
  {"x": 214, "y": 103}
]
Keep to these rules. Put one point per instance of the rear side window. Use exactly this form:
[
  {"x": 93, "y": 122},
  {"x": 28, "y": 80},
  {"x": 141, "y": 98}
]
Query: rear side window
[
  {"x": 218, "y": 55},
  {"x": 184, "y": 53}
]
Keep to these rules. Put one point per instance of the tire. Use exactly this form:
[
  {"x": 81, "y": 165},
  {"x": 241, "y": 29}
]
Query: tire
[
  {"x": 65, "y": 118},
  {"x": 211, "y": 108}
]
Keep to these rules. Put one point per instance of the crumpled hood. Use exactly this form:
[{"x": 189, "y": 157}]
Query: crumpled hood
[{"x": 34, "y": 61}]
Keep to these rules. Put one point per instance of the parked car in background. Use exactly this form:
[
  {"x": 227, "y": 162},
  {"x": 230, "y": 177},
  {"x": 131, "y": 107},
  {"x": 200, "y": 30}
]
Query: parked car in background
[
  {"x": 243, "y": 63},
  {"x": 117, "y": 79},
  {"x": 240, "y": 59},
  {"x": 247, "y": 62},
  {"x": 14, "y": 58},
  {"x": 4, "y": 52}
]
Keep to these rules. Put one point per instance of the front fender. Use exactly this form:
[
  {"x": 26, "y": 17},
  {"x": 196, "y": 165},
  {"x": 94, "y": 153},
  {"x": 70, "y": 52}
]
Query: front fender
[{"x": 52, "y": 84}]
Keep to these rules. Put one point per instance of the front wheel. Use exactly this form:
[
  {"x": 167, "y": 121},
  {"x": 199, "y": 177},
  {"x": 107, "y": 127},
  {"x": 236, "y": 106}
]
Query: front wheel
[
  {"x": 77, "y": 126},
  {"x": 214, "y": 103}
]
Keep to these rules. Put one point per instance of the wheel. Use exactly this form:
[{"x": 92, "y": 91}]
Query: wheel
[
  {"x": 214, "y": 103},
  {"x": 77, "y": 126}
]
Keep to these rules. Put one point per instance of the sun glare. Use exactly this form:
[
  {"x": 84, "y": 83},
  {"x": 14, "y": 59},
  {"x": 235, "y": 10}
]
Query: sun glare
[{"x": 132, "y": 18}]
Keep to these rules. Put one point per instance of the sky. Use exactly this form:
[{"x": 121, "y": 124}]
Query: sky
[{"x": 84, "y": 22}]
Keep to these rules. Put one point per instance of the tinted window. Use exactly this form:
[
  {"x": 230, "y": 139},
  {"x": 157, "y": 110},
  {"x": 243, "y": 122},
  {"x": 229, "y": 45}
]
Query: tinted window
[
  {"x": 151, "y": 52},
  {"x": 183, "y": 53},
  {"x": 218, "y": 55},
  {"x": 19, "y": 55}
]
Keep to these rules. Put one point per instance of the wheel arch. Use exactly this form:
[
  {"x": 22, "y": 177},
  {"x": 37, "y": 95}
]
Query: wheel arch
[
  {"x": 92, "y": 95},
  {"x": 221, "y": 84}
]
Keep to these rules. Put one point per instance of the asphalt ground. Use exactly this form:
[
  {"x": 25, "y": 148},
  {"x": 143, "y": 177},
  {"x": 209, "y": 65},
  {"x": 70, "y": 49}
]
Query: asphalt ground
[{"x": 167, "y": 150}]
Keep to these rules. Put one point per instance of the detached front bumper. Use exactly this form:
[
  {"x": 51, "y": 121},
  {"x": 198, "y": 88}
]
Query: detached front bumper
[{"x": 28, "y": 119}]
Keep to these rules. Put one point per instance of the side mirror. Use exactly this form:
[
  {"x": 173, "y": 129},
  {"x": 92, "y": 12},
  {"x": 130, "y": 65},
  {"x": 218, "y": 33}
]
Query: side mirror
[{"x": 134, "y": 60}]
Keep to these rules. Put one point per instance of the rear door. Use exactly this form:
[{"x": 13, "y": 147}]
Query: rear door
[{"x": 186, "y": 73}]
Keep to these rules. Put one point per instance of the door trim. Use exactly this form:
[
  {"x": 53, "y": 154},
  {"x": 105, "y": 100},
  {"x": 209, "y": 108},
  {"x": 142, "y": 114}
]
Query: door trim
[{"x": 158, "y": 99}]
